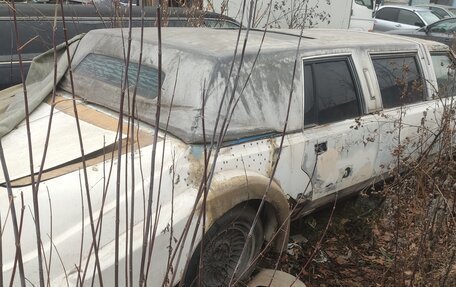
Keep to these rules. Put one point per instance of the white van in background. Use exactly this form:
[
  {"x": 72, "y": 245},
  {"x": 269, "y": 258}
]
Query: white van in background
[
  {"x": 340, "y": 14},
  {"x": 361, "y": 17}
]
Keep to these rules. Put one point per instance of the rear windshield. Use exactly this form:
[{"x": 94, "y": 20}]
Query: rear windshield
[
  {"x": 210, "y": 23},
  {"x": 111, "y": 71},
  {"x": 101, "y": 79}
]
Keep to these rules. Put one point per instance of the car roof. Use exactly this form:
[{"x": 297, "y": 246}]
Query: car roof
[
  {"x": 410, "y": 8},
  {"x": 221, "y": 43},
  {"x": 206, "y": 55}
]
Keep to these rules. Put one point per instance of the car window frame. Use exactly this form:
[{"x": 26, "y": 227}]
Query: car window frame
[
  {"x": 452, "y": 57},
  {"x": 348, "y": 57},
  {"x": 403, "y": 54}
]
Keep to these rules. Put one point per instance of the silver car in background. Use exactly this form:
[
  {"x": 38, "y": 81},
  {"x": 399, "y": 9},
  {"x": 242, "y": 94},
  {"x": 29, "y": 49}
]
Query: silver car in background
[
  {"x": 442, "y": 11},
  {"x": 441, "y": 31},
  {"x": 402, "y": 17}
]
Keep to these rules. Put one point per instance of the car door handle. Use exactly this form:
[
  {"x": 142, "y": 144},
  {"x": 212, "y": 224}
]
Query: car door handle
[
  {"x": 321, "y": 147},
  {"x": 398, "y": 25}
]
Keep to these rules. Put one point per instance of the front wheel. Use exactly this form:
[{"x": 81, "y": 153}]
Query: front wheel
[{"x": 222, "y": 249}]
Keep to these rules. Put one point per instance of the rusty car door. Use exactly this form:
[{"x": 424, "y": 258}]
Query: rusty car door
[{"x": 340, "y": 146}]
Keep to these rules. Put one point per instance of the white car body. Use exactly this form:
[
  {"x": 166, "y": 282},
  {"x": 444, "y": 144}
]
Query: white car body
[{"x": 317, "y": 163}]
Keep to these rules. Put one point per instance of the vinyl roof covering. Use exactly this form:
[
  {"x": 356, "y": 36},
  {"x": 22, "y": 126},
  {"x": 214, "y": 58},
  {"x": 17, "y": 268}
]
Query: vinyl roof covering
[
  {"x": 200, "y": 80},
  {"x": 252, "y": 92}
]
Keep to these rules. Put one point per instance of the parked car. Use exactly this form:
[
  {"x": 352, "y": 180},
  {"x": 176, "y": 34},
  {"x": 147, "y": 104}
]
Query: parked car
[
  {"x": 442, "y": 31},
  {"x": 442, "y": 11},
  {"x": 390, "y": 17},
  {"x": 35, "y": 22},
  {"x": 300, "y": 135}
]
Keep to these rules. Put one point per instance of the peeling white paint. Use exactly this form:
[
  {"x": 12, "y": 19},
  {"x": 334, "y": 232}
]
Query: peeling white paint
[{"x": 355, "y": 149}]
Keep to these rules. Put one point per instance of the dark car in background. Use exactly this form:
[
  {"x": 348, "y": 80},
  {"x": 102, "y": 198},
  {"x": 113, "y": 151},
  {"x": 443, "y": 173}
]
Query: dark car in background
[
  {"x": 441, "y": 31},
  {"x": 35, "y": 25}
]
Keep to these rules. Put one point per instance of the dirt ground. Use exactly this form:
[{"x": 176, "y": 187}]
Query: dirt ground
[{"x": 357, "y": 244}]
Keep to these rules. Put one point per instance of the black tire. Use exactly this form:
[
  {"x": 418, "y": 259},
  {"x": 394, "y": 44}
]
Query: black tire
[{"x": 223, "y": 244}]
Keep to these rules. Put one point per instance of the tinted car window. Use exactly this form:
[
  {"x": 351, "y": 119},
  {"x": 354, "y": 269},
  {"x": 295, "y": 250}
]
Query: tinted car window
[
  {"x": 399, "y": 79},
  {"x": 409, "y": 18},
  {"x": 389, "y": 14},
  {"x": 445, "y": 74},
  {"x": 331, "y": 92}
]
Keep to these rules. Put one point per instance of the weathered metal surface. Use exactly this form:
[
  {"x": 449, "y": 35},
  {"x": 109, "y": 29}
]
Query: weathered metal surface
[{"x": 244, "y": 170}]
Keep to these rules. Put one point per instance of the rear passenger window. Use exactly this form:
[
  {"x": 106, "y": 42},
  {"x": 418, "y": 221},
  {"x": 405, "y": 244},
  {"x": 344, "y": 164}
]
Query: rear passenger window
[
  {"x": 331, "y": 93},
  {"x": 445, "y": 74},
  {"x": 389, "y": 14},
  {"x": 399, "y": 79}
]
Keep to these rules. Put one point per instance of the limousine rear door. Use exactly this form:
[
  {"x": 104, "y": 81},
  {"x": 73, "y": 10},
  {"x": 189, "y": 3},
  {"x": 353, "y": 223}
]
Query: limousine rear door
[
  {"x": 408, "y": 122},
  {"x": 341, "y": 143}
]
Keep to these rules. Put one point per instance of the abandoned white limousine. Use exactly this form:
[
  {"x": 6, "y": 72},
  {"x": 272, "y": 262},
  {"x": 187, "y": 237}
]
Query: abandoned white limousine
[{"x": 153, "y": 170}]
